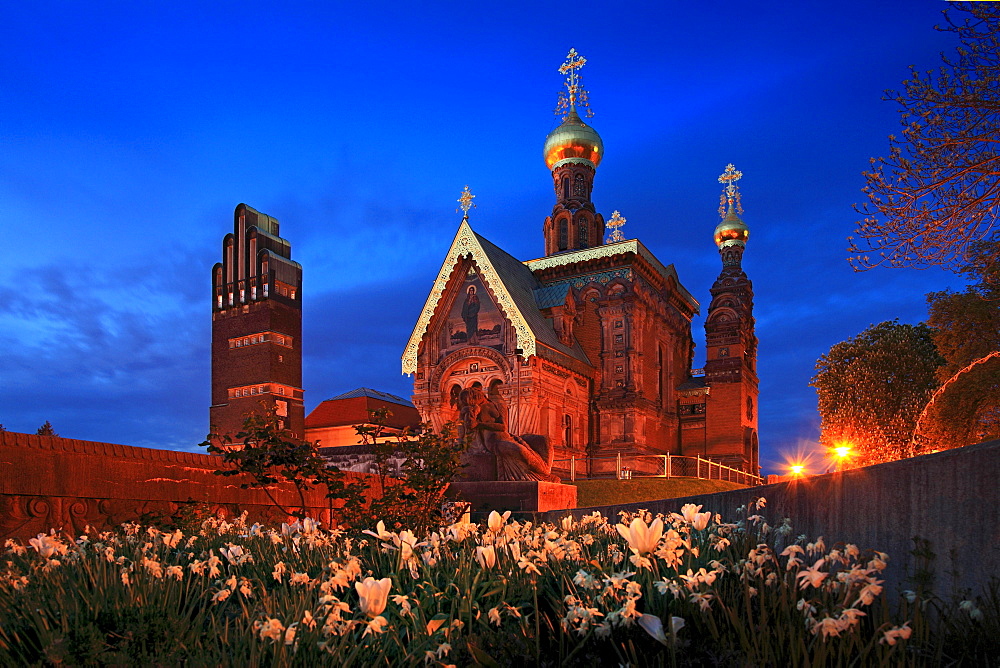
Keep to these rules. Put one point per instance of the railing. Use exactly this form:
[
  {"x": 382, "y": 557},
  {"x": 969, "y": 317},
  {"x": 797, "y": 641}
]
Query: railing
[{"x": 651, "y": 466}]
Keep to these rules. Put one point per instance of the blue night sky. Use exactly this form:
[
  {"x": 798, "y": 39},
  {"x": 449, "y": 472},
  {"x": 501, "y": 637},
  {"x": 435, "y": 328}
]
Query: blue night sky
[{"x": 131, "y": 130}]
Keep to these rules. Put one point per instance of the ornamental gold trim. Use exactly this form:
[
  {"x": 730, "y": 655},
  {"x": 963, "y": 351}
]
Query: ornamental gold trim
[
  {"x": 610, "y": 250},
  {"x": 466, "y": 245}
]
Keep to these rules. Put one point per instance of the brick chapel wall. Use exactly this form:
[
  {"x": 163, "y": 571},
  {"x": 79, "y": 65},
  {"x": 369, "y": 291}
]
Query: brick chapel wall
[
  {"x": 948, "y": 498},
  {"x": 52, "y": 482}
]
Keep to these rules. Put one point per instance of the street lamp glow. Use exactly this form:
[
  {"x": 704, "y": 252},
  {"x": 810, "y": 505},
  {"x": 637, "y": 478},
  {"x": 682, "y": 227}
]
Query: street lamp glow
[{"x": 796, "y": 470}]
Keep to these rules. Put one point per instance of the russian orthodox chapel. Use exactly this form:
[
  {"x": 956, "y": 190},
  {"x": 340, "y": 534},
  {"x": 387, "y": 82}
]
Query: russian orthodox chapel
[{"x": 591, "y": 345}]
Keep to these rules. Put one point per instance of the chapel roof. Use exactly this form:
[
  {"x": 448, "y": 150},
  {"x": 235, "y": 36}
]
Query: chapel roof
[{"x": 513, "y": 286}]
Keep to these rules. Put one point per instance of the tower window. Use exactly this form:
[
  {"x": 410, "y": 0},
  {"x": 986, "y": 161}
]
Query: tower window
[
  {"x": 578, "y": 185},
  {"x": 565, "y": 187},
  {"x": 584, "y": 235},
  {"x": 563, "y": 241}
]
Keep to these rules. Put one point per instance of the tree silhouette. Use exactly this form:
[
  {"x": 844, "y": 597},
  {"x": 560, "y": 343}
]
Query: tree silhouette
[
  {"x": 938, "y": 190},
  {"x": 46, "y": 430}
]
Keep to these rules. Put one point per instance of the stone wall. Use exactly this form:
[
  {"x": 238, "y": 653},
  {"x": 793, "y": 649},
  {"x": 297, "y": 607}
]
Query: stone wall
[
  {"x": 951, "y": 499},
  {"x": 51, "y": 482}
]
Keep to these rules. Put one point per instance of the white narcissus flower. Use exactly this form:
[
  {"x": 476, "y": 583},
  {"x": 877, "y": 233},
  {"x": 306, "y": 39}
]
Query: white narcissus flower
[
  {"x": 813, "y": 577},
  {"x": 47, "y": 546},
  {"x": 869, "y": 592},
  {"x": 642, "y": 539},
  {"x": 172, "y": 539},
  {"x": 373, "y": 595},
  {"x": 290, "y": 633},
  {"x": 896, "y": 633},
  {"x": 270, "y": 629},
  {"x": 494, "y": 616},
  {"x": 376, "y": 625},
  {"x": 829, "y": 626}
]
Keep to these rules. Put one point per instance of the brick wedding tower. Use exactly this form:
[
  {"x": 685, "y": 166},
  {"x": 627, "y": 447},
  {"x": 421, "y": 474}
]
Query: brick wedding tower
[{"x": 256, "y": 327}]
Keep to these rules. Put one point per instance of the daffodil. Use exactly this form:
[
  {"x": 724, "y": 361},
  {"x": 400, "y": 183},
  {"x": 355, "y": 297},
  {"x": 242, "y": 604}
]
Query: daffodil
[
  {"x": 269, "y": 629},
  {"x": 895, "y": 634}
]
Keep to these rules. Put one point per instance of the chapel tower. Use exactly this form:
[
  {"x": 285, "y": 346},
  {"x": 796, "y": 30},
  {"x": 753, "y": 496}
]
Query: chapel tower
[
  {"x": 256, "y": 327},
  {"x": 731, "y": 345},
  {"x": 572, "y": 152}
]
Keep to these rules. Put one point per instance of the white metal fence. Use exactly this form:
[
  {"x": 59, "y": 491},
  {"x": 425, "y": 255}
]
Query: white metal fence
[{"x": 626, "y": 467}]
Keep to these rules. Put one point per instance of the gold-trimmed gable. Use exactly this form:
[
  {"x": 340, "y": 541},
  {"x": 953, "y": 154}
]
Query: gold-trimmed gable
[{"x": 466, "y": 244}]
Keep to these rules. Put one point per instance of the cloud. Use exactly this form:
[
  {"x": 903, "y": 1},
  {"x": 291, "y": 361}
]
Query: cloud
[{"x": 117, "y": 356}]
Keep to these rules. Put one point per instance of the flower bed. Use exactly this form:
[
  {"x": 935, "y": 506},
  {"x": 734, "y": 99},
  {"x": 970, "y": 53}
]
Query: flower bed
[{"x": 685, "y": 589}]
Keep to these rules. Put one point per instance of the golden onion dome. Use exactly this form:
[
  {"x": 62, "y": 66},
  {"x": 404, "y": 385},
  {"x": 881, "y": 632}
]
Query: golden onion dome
[
  {"x": 731, "y": 230},
  {"x": 573, "y": 141}
]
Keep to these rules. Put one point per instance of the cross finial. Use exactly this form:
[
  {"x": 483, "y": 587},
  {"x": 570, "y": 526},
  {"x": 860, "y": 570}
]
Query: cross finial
[
  {"x": 615, "y": 224},
  {"x": 575, "y": 94},
  {"x": 730, "y": 197},
  {"x": 465, "y": 203}
]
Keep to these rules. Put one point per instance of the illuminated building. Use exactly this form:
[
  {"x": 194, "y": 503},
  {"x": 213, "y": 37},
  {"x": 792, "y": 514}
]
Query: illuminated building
[
  {"x": 591, "y": 344},
  {"x": 256, "y": 327}
]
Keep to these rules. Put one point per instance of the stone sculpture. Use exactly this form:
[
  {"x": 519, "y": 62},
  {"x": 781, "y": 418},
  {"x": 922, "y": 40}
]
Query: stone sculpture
[{"x": 515, "y": 459}]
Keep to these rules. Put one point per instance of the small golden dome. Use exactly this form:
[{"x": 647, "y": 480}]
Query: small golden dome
[
  {"x": 731, "y": 230},
  {"x": 574, "y": 141}
]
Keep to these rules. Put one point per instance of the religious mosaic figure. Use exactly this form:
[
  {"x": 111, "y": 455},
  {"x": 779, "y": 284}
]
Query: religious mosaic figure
[
  {"x": 516, "y": 459},
  {"x": 470, "y": 314}
]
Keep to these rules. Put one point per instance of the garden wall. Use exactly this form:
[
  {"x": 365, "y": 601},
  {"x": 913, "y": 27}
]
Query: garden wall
[
  {"x": 950, "y": 499},
  {"x": 53, "y": 482}
]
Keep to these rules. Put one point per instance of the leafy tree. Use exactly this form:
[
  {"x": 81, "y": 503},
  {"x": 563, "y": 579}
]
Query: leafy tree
[
  {"x": 966, "y": 328},
  {"x": 46, "y": 430},
  {"x": 268, "y": 454},
  {"x": 872, "y": 388},
  {"x": 430, "y": 462},
  {"x": 938, "y": 191}
]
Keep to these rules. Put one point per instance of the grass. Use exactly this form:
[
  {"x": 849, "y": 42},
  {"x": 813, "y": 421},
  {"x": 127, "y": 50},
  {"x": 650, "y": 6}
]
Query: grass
[{"x": 613, "y": 492}]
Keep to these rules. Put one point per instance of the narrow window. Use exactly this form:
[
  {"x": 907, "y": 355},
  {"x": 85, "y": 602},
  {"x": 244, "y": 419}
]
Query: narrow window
[
  {"x": 563, "y": 242},
  {"x": 565, "y": 187}
]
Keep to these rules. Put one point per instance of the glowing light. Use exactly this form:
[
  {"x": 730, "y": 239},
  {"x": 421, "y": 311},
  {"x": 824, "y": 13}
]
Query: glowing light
[
  {"x": 796, "y": 470},
  {"x": 842, "y": 451}
]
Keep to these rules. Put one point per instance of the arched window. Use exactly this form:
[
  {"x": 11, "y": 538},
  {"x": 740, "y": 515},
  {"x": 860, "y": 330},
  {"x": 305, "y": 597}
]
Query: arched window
[
  {"x": 568, "y": 427},
  {"x": 584, "y": 235},
  {"x": 563, "y": 241},
  {"x": 565, "y": 187},
  {"x": 578, "y": 186}
]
